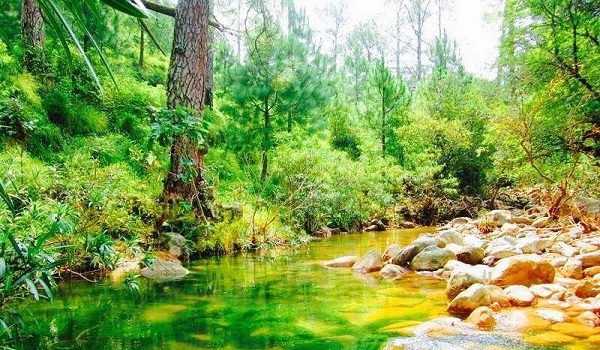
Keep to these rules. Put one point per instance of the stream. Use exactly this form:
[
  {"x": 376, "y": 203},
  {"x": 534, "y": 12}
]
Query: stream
[{"x": 251, "y": 302}]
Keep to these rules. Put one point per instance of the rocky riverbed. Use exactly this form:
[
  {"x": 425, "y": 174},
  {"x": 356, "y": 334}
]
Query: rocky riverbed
[{"x": 506, "y": 274}]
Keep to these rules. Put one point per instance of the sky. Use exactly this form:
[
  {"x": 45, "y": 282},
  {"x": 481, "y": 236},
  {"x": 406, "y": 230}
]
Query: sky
[{"x": 464, "y": 20}]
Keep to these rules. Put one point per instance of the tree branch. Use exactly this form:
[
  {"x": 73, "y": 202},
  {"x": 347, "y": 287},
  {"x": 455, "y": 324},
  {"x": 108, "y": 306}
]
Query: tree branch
[{"x": 170, "y": 11}]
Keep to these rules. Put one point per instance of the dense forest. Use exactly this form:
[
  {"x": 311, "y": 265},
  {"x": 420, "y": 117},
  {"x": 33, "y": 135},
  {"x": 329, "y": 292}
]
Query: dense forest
[{"x": 234, "y": 125}]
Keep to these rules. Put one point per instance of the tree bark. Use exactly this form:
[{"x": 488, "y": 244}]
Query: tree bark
[
  {"x": 33, "y": 36},
  {"x": 186, "y": 88},
  {"x": 266, "y": 139}
]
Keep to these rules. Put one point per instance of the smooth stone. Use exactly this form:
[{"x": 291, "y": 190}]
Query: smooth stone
[
  {"x": 542, "y": 221},
  {"x": 522, "y": 269},
  {"x": 391, "y": 252},
  {"x": 497, "y": 217},
  {"x": 591, "y": 271},
  {"x": 406, "y": 255},
  {"x": 451, "y": 236},
  {"x": 370, "y": 262},
  {"x": 589, "y": 259},
  {"x": 425, "y": 241},
  {"x": 510, "y": 229},
  {"x": 462, "y": 278},
  {"x": 469, "y": 300},
  {"x": 519, "y": 295},
  {"x": 470, "y": 240},
  {"x": 431, "y": 258},
  {"x": 546, "y": 291},
  {"x": 588, "y": 318},
  {"x": 343, "y": 261},
  {"x": 482, "y": 317},
  {"x": 164, "y": 270},
  {"x": 551, "y": 315},
  {"x": 587, "y": 289},
  {"x": 588, "y": 248},
  {"x": 564, "y": 249},
  {"x": 391, "y": 271},
  {"x": 572, "y": 269},
  {"x": 498, "y": 296}
]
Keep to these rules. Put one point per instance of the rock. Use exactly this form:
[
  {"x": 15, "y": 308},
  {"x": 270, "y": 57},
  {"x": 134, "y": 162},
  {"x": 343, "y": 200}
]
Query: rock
[
  {"x": 531, "y": 244},
  {"x": 451, "y": 236},
  {"x": 502, "y": 247},
  {"x": 177, "y": 244},
  {"x": 588, "y": 248},
  {"x": 510, "y": 229},
  {"x": 344, "y": 261},
  {"x": 587, "y": 289},
  {"x": 572, "y": 269},
  {"x": 425, "y": 241},
  {"x": 370, "y": 262},
  {"x": 470, "y": 240},
  {"x": 588, "y": 318},
  {"x": 589, "y": 259},
  {"x": 588, "y": 204},
  {"x": 497, "y": 217},
  {"x": 519, "y": 295},
  {"x": 546, "y": 291},
  {"x": 482, "y": 317},
  {"x": 407, "y": 224},
  {"x": 551, "y": 315},
  {"x": 591, "y": 271},
  {"x": 431, "y": 259},
  {"x": 542, "y": 221},
  {"x": 522, "y": 220},
  {"x": 522, "y": 269},
  {"x": 324, "y": 232},
  {"x": 164, "y": 270},
  {"x": 469, "y": 300},
  {"x": 564, "y": 249},
  {"x": 406, "y": 255},
  {"x": 391, "y": 252},
  {"x": 498, "y": 296},
  {"x": 376, "y": 225},
  {"x": 463, "y": 277},
  {"x": 454, "y": 264},
  {"x": 467, "y": 255},
  {"x": 391, "y": 271}
]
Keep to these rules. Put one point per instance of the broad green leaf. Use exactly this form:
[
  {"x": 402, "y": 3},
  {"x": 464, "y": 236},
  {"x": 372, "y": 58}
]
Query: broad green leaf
[
  {"x": 32, "y": 289},
  {"x": 4, "y": 326},
  {"x": 133, "y": 8},
  {"x": 7, "y": 200},
  {"x": 46, "y": 288}
]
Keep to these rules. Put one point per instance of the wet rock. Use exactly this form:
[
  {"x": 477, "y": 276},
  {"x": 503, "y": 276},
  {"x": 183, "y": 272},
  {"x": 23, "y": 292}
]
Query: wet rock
[
  {"x": 522, "y": 269},
  {"x": 497, "y": 217},
  {"x": 551, "y": 315},
  {"x": 589, "y": 259},
  {"x": 463, "y": 277},
  {"x": 391, "y": 252},
  {"x": 164, "y": 270},
  {"x": 546, "y": 291},
  {"x": 370, "y": 262},
  {"x": 564, "y": 249},
  {"x": 482, "y": 317},
  {"x": 343, "y": 261},
  {"x": 519, "y": 295},
  {"x": 497, "y": 296},
  {"x": 406, "y": 255},
  {"x": 431, "y": 259},
  {"x": 591, "y": 271},
  {"x": 587, "y": 289},
  {"x": 391, "y": 271},
  {"x": 572, "y": 269},
  {"x": 469, "y": 300},
  {"x": 542, "y": 221},
  {"x": 177, "y": 244},
  {"x": 425, "y": 241},
  {"x": 588, "y": 318}
]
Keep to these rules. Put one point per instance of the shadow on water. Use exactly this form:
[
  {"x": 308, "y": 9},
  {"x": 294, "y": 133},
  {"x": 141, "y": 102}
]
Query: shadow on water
[{"x": 247, "y": 302}]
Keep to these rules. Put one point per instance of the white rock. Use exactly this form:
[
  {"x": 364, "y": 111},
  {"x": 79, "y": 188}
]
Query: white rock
[
  {"x": 564, "y": 249},
  {"x": 551, "y": 315},
  {"x": 520, "y": 295}
]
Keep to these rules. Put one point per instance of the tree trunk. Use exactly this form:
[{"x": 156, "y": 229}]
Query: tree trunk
[
  {"x": 33, "y": 36},
  {"x": 186, "y": 88},
  {"x": 266, "y": 139},
  {"x": 141, "y": 58}
]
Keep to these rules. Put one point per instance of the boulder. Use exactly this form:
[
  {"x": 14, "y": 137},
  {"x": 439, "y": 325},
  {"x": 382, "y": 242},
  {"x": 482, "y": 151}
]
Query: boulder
[
  {"x": 572, "y": 269},
  {"x": 370, "y": 262},
  {"x": 406, "y": 255},
  {"x": 546, "y": 291},
  {"x": 425, "y": 241},
  {"x": 470, "y": 255},
  {"x": 470, "y": 240},
  {"x": 531, "y": 244},
  {"x": 375, "y": 225},
  {"x": 522, "y": 269},
  {"x": 510, "y": 229},
  {"x": 462, "y": 278},
  {"x": 469, "y": 300},
  {"x": 497, "y": 217},
  {"x": 502, "y": 247},
  {"x": 391, "y": 271},
  {"x": 589, "y": 259},
  {"x": 391, "y": 252},
  {"x": 588, "y": 318},
  {"x": 591, "y": 271},
  {"x": 451, "y": 236},
  {"x": 555, "y": 316},
  {"x": 497, "y": 296},
  {"x": 588, "y": 248},
  {"x": 519, "y": 295},
  {"x": 164, "y": 270},
  {"x": 482, "y": 317},
  {"x": 564, "y": 249},
  {"x": 343, "y": 261},
  {"x": 177, "y": 244},
  {"x": 587, "y": 289},
  {"x": 431, "y": 259}
]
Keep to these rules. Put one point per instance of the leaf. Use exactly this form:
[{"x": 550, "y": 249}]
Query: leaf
[
  {"x": 6, "y": 328},
  {"x": 46, "y": 288},
  {"x": 7, "y": 200},
  {"x": 32, "y": 289},
  {"x": 151, "y": 35},
  {"x": 133, "y": 8},
  {"x": 2, "y": 267}
]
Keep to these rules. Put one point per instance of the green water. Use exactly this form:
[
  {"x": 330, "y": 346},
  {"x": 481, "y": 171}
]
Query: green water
[{"x": 246, "y": 302}]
